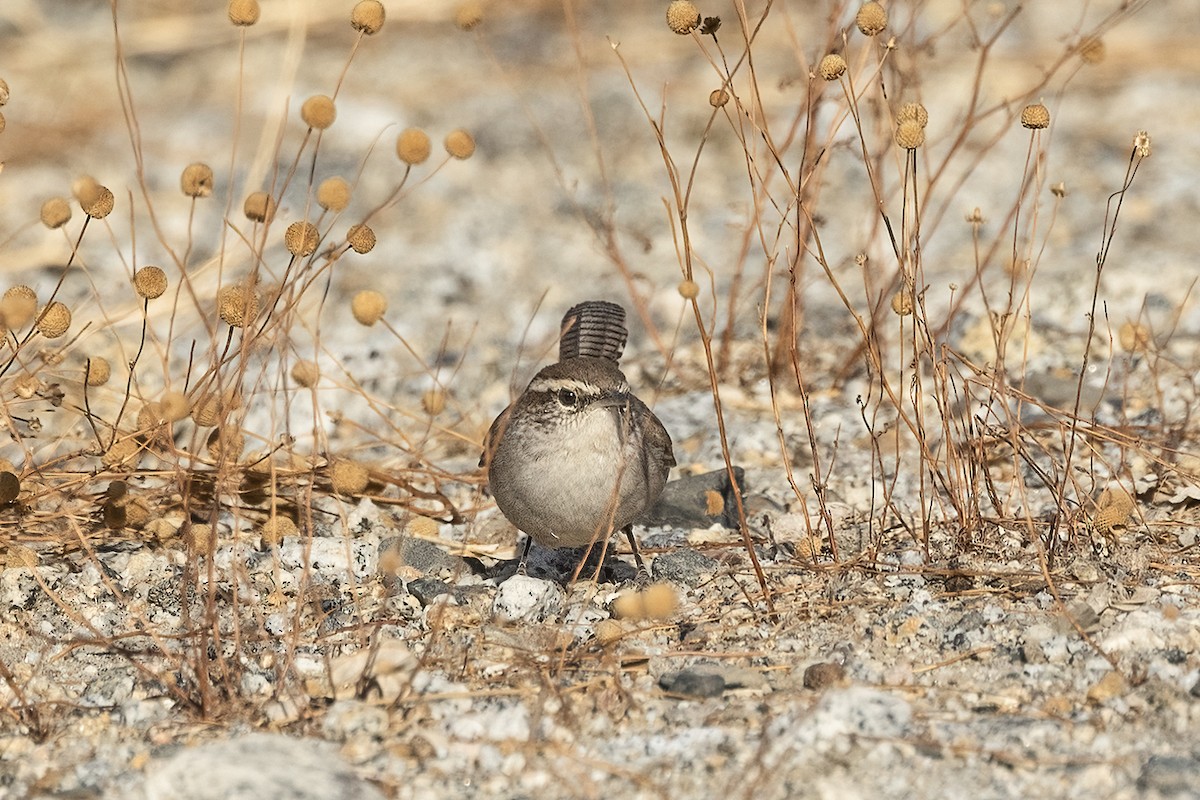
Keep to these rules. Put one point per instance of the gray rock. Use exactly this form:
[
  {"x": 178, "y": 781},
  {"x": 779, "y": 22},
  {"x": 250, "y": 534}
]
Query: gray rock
[
  {"x": 685, "y": 567},
  {"x": 686, "y": 502},
  {"x": 693, "y": 683},
  {"x": 258, "y": 766},
  {"x": 1171, "y": 777}
]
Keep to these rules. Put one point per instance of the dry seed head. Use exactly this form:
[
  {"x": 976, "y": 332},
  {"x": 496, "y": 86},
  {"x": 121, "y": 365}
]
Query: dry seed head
[
  {"x": 150, "y": 282},
  {"x": 27, "y": 385},
  {"x": 56, "y": 212},
  {"x": 174, "y": 406},
  {"x": 367, "y": 16},
  {"x": 460, "y": 144},
  {"x": 276, "y": 528},
  {"x": 433, "y": 401},
  {"x": 832, "y": 67},
  {"x": 871, "y": 19},
  {"x": 1114, "y": 509},
  {"x": 3, "y": 92},
  {"x": 902, "y": 303},
  {"x": 306, "y": 373},
  {"x": 244, "y": 12},
  {"x": 1141, "y": 143},
  {"x": 718, "y": 98},
  {"x": 413, "y": 146},
  {"x": 3, "y": 123},
  {"x": 84, "y": 189},
  {"x": 1035, "y": 116},
  {"x": 361, "y": 238},
  {"x": 227, "y": 442},
  {"x": 1134, "y": 337},
  {"x": 97, "y": 370},
  {"x": 301, "y": 238},
  {"x": 688, "y": 289},
  {"x": 99, "y": 204},
  {"x": 976, "y": 216},
  {"x": 660, "y": 600},
  {"x": 423, "y": 528},
  {"x": 468, "y": 15},
  {"x": 199, "y": 538},
  {"x": 608, "y": 631},
  {"x": 197, "y": 180},
  {"x": 910, "y": 135},
  {"x": 348, "y": 477},
  {"x": 211, "y": 409},
  {"x": 259, "y": 207},
  {"x": 54, "y": 320},
  {"x": 18, "y": 306},
  {"x": 368, "y": 306},
  {"x": 123, "y": 453},
  {"x": 151, "y": 417},
  {"x": 913, "y": 111},
  {"x": 333, "y": 194},
  {"x": 683, "y": 17},
  {"x": 237, "y": 305},
  {"x": 318, "y": 112},
  {"x": 1092, "y": 50},
  {"x": 10, "y": 487}
]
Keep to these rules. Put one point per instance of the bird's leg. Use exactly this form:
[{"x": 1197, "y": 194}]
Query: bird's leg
[{"x": 643, "y": 574}]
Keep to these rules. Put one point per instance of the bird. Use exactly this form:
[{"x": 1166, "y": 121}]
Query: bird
[{"x": 578, "y": 456}]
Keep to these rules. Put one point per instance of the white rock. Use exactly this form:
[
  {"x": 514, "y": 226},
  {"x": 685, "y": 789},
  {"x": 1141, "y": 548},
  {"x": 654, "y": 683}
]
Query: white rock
[{"x": 525, "y": 599}]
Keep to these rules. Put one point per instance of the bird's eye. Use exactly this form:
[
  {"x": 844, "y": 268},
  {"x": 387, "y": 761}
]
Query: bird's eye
[{"x": 568, "y": 398}]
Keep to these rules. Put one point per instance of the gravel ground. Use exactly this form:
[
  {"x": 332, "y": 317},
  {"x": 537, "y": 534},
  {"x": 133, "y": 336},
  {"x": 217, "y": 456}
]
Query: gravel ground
[{"x": 388, "y": 655}]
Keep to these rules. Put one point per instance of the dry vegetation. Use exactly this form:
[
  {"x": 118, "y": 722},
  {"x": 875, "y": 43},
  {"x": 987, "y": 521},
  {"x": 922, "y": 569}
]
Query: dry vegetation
[{"x": 192, "y": 409}]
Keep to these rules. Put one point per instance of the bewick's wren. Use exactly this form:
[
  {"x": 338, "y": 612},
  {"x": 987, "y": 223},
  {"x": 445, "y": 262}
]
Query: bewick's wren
[{"x": 578, "y": 456}]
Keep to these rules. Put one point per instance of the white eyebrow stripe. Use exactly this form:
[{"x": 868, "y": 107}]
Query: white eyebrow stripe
[{"x": 558, "y": 384}]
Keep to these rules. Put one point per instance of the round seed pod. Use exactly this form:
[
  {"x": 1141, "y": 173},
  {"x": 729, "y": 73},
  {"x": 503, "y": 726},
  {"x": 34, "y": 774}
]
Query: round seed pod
[
  {"x": 151, "y": 417},
  {"x": 97, "y": 371},
  {"x": 832, "y": 67},
  {"x": 683, "y": 17},
  {"x": 348, "y": 477},
  {"x": 915, "y": 112},
  {"x": 717, "y": 98},
  {"x": 259, "y": 207},
  {"x": 468, "y": 15},
  {"x": 149, "y": 282},
  {"x": 1035, "y": 116},
  {"x": 306, "y": 373},
  {"x": 10, "y": 487},
  {"x": 910, "y": 135},
  {"x": 871, "y": 19},
  {"x": 27, "y": 385},
  {"x": 608, "y": 631},
  {"x": 460, "y": 144},
  {"x": 367, "y": 16},
  {"x": 197, "y": 180},
  {"x": 301, "y": 238},
  {"x": 244, "y": 12},
  {"x": 902, "y": 303},
  {"x": 199, "y": 538},
  {"x": 368, "y": 306},
  {"x": 688, "y": 290},
  {"x": 361, "y": 238},
  {"x": 3, "y": 92},
  {"x": 54, "y": 320},
  {"x": 318, "y": 112},
  {"x": 56, "y": 212},
  {"x": 210, "y": 409},
  {"x": 659, "y": 600},
  {"x": 18, "y": 306},
  {"x": 226, "y": 442},
  {"x": 1134, "y": 337},
  {"x": 433, "y": 401},
  {"x": 174, "y": 405},
  {"x": 123, "y": 453},
  {"x": 276, "y": 528},
  {"x": 99, "y": 204},
  {"x": 333, "y": 194},
  {"x": 413, "y": 146},
  {"x": 237, "y": 305}
]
